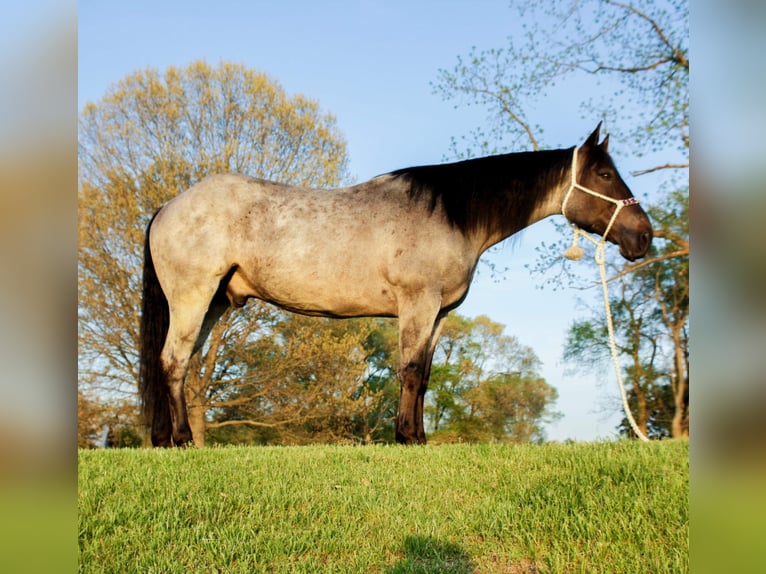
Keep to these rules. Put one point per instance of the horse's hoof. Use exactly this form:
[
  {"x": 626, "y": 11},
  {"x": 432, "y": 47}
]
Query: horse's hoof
[
  {"x": 161, "y": 441},
  {"x": 184, "y": 440},
  {"x": 401, "y": 438}
]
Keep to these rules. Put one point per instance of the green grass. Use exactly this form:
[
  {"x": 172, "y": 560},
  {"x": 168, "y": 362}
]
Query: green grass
[{"x": 602, "y": 507}]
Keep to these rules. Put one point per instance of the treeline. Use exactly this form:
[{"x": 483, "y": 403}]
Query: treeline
[{"x": 303, "y": 380}]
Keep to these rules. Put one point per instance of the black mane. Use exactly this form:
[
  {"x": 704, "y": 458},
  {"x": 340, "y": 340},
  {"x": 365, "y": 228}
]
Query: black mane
[{"x": 497, "y": 193}]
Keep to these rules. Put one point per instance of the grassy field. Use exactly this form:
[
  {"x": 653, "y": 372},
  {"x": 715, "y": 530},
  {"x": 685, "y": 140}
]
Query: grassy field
[{"x": 601, "y": 507}]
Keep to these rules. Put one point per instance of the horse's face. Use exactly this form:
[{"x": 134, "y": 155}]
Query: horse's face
[{"x": 631, "y": 229}]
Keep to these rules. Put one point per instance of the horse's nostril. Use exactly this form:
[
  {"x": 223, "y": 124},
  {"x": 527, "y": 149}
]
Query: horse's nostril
[{"x": 646, "y": 240}]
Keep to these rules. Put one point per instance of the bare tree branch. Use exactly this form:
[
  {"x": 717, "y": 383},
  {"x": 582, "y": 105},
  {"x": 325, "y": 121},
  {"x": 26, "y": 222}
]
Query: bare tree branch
[
  {"x": 679, "y": 240},
  {"x": 630, "y": 70},
  {"x": 660, "y": 167},
  {"x": 252, "y": 423},
  {"x": 678, "y": 56},
  {"x": 631, "y": 268}
]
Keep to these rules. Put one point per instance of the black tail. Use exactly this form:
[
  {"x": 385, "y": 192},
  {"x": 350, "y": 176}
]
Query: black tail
[{"x": 155, "y": 320}]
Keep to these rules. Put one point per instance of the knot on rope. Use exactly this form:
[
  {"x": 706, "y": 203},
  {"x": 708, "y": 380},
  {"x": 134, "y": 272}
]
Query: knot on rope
[{"x": 574, "y": 252}]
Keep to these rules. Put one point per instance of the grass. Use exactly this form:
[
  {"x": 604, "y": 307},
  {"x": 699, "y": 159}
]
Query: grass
[{"x": 599, "y": 507}]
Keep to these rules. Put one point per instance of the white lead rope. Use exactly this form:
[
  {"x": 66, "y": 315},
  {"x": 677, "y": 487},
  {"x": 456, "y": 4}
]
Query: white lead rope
[{"x": 575, "y": 252}]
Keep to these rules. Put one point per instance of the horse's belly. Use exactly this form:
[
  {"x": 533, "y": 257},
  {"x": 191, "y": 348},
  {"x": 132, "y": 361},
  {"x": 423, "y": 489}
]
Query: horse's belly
[
  {"x": 352, "y": 270},
  {"x": 314, "y": 292}
]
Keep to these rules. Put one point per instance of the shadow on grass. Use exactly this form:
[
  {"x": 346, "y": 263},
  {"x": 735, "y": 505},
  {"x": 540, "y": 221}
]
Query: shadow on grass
[{"x": 426, "y": 555}]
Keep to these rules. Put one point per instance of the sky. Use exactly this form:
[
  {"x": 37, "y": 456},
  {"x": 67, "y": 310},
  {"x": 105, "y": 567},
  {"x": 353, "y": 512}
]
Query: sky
[{"x": 373, "y": 64}]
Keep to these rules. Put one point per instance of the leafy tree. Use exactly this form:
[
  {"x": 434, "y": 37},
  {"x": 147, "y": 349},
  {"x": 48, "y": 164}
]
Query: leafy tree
[
  {"x": 635, "y": 56},
  {"x": 382, "y": 348},
  {"x": 670, "y": 274},
  {"x": 485, "y": 385},
  {"x": 312, "y": 380},
  {"x": 87, "y": 425},
  {"x": 511, "y": 407},
  {"x": 150, "y": 137},
  {"x": 324, "y": 380},
  {"x": 111, "y": 424}
]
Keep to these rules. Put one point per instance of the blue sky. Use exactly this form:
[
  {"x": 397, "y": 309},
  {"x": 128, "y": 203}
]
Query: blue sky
[{"x": 371, "y": 64}]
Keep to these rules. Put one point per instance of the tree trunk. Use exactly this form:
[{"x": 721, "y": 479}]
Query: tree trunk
[
  {"x": 642, "y": 415},
  {"x": 678, "y": 428},
  {"x": 197, "y": 423},
  {"x": 199, "y": 379},
  {"x": 641, "y": 412}
]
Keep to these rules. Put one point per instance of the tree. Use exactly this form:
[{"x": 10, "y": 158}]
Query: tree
[
  {"x": 87, "y": 423},
  {"x": 485, "y": 385},
  {"x": 150, "y": 137},
  {"x": 511, "y": 407},
  {"x": 312, "y": 380},
  {"x": 101, "y": 424},
  {"x": 634, "y": 54},
  {"x": 634, "y": 57},
  {"x": 670, "y": 274}
]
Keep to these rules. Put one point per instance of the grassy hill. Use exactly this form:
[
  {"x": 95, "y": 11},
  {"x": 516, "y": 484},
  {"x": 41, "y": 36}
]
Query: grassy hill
[{"x": 597, "y": 507}]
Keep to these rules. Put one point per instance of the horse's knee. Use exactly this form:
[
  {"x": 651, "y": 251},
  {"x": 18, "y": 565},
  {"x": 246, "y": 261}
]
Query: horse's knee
[{"x": 411, "y": 376}]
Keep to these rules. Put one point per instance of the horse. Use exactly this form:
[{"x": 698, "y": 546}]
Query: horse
[{"x": 404, "y": 244}]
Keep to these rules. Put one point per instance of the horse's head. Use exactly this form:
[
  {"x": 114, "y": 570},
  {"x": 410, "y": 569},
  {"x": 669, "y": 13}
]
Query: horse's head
[{"x": 599, "y": 202}]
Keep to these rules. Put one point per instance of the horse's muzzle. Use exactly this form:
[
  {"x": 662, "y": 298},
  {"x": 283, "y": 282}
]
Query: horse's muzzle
[{"x": 635, "y": 245}]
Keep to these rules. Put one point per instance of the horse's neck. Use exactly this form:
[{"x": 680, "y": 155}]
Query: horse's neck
[{"x": 551, "y": 205}]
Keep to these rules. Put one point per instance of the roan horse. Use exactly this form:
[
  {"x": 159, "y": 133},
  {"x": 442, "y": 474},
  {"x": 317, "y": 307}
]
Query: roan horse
[{"x": 404, "y": 244}]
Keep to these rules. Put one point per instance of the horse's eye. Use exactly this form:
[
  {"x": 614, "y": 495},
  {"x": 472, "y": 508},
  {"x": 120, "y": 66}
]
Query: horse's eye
[{"x": 605, "y": 175}]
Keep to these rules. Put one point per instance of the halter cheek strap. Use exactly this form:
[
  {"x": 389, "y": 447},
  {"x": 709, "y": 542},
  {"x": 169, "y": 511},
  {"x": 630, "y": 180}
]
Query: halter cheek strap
[{"x": 619, "y": 203}]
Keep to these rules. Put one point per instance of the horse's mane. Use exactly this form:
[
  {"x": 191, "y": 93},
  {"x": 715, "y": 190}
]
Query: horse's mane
[{"x": 497, "y": 192}]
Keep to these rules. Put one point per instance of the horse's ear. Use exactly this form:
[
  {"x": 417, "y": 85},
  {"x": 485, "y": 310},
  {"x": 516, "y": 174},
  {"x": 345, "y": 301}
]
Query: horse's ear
[
  {"x": 592, "y": 140},
  {"x": 605, "y": 144}
]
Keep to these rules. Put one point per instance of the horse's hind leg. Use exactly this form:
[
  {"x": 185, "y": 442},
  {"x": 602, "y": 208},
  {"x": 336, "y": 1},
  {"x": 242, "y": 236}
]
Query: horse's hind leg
[
  {"x": 218, "y": 307},
  {"x": 187, "y": 315}
]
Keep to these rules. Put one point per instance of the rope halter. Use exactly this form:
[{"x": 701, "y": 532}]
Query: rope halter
[{"x": 575, "y": 252}]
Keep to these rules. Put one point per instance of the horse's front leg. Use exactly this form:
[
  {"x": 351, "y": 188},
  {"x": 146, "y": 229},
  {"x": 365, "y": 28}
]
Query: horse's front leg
[
  {"x": 410, "y": 379},
  {"x": 418, "y": 322}
]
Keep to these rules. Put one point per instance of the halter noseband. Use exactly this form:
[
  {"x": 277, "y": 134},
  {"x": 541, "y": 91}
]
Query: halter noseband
[{"x": 619, "y": 203}]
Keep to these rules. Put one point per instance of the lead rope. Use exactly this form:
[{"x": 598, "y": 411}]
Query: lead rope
[{"x": 574, "y": 252}]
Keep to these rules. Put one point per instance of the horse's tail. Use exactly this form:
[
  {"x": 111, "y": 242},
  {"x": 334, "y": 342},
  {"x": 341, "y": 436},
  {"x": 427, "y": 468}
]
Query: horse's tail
[{"x": 155, "y": 320}]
